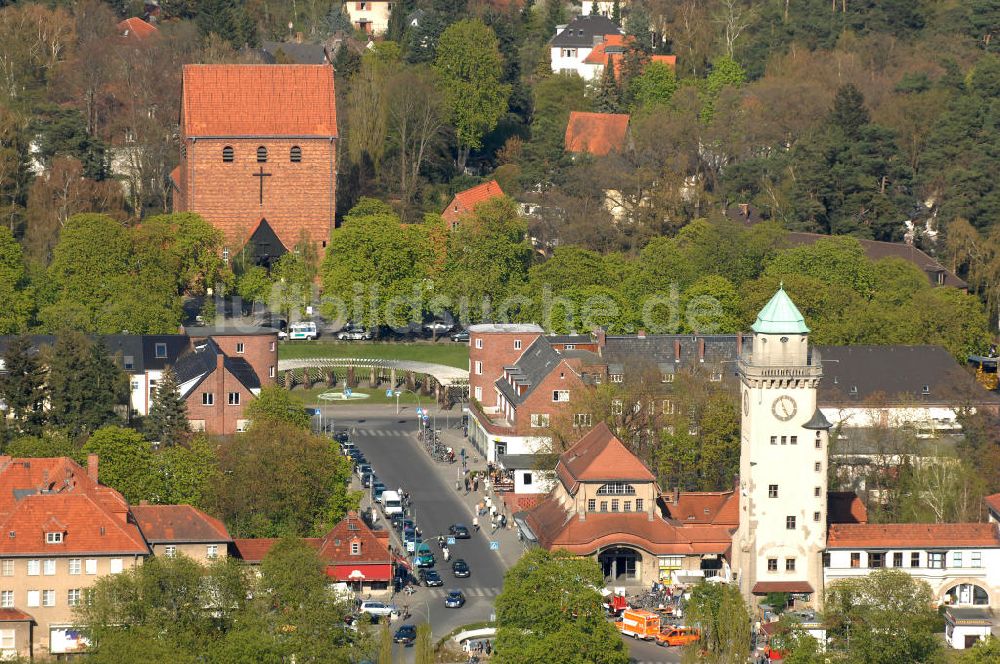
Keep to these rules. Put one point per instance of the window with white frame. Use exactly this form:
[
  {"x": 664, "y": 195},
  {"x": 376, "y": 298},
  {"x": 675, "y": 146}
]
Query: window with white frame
[
  {"x": 234, "y": 398},
  {"x": 560, "y": 395},
  {"x": 479, "y": 342},
  {"x": 976, "y": 559},
  {"x": 668, "y": 407},
  {"x": 666, "y": 377},
  {"x": 212, "y": 551},
  {"x": 34, "y": 599},
  {"x": 75, "y": 566},
  {"x": 207, "y": 399},
  {"x": 48, "y": 598},
  {"x": 479, "y": 368},
  {"x": 34, "y": 567},
  {"x": 170, "y": 551},
  {"x": 617, "y": 408},
  {"x": 116, "y": 565},
  {"x": 935, "y": 559},
  {"x": 240, "y": 347},
  {"x": 479, "y": 393},
  {"x": 956, "y": 558},
  {"x": 90, "y": 566},
  {"x": 539, "y": 419},
  {"x": 517, "y": 344},
  {"x": 272, "y": 346},
  {"x": 8, "y": 568},
  {"x": 616, "y": 489},
  {"x": 271, "y": 372},
  {"x": 7, "y": 599},
  {"x": 160, "y": 350},
  {"x": 616, "y": 378},
  {"x": 355, "y": 548},
  {"x": 581, "y": 419},
  {"x": 49, "y": 567},
  {"x": 7, "y": 639},
  {"x": 73, "y": 597},
  {"x": 129, "y": 362}
]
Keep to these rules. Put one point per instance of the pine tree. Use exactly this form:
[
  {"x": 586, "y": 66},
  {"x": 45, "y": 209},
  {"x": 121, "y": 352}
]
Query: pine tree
[
  {"x": 167, "y": 421},
  {"x": 22, "y": 387},
  {"x": 85, "y": 386},
  {"x": 608, "y": 95},
  {"x": 616, "y": 13}
]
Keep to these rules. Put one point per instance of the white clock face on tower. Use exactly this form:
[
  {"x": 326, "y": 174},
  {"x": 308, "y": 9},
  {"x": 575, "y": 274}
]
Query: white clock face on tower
[{"x": 784, "y": 408}]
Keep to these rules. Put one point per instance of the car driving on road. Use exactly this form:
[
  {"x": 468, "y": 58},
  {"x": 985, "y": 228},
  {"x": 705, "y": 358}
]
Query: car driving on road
[
  {"x": 455, "y": 599},
  {"x": 458, "y": 531},
  {"x": 430, "y": 578},
  {"x": 406, "y": 635},
  {"x": 378, "y": 608},
  {"x": 460, "y": 569}
]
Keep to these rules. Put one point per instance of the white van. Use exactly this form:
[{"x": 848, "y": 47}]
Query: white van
[
  {"x": 392, "y": 503},
  {"x": 303, "y": 330}
]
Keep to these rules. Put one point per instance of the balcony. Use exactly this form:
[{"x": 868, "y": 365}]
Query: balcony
[{"x": 781, "y": 372}]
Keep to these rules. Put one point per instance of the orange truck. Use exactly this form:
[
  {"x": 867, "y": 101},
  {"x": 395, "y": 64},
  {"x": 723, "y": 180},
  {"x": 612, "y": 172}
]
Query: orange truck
[
  {"x": 678, "y": 636},
  {"x": 639, "y": 624}
]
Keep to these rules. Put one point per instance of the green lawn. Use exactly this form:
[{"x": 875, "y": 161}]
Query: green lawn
[{"x": 443, "y": 352}]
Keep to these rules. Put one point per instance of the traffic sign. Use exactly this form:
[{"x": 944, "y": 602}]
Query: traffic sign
[
  {"x": 388, "y": 394},
  {"x": 420, "y": 411},
  {"x": 494, "y": 545},
  {"x": 426, "y": 418},
  {"x": 347, "y": 392},
  {"x": 451, "y": 541}
]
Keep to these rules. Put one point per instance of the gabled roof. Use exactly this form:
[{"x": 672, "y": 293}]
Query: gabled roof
[
  {"x": 194, "y": 367},
  {"x": 178, "y": 523},
  {"x": 600, "y": 457},
  {"x": 845, "y": 507},
  {"x": 259, "y": 101},
  {"x": 530, "y": 369},
  {"x": 467, "y": 200},
  {"x": 993, "y": 503},
  {"x": 580, "y": 32},
  {"x": 136, "y": 28},
  {"x": 335, "y": 548},
  {"x": 254, "y": 550},
  {"x": 596, "y": 133},
  {"x": 911, "y": 535},
  {"x": 780, "y": 316},
  {"x": 613, "y": 46}
]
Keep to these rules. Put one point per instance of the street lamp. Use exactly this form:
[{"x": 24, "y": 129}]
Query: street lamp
[{"x": 399, "y": 392}]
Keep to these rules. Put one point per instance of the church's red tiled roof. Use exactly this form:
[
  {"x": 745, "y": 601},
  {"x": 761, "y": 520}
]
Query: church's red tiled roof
[
  {"x": 910, "y": 535},
  {"x": 467, "y": 200},
  {"x": 178, "y": 523},
  {"x": 600, "y": 457},
  {"x": 596, "y": 133},
  {"x": 136, "y": 28},
  {"x": 259, "y": 101}
]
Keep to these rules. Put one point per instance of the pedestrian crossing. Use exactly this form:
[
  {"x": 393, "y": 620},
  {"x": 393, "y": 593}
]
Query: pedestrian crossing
[
  {"x": 469, "y": 592},
  {"x": 381, "y": 433}
]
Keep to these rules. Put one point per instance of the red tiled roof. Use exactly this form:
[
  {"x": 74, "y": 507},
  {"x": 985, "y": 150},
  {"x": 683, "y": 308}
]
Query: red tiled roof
[
  {"x": 596, "y": 133},
  {"x": 254, "y": 550},
  {"x": 336, "y": 544},
  {"x": 993, "y": 502},
  {"x": 259, "y": 100},
  {"x": 600, "y": 457},
  {"x": 555, "y": 527},
  {"x": 178, "y": 523},
  {"x": 13, "y": 615},
  {"x": 136, "y": 28},
  {"x": 40, "y": 494},
  {"x": 720, "y": 508},
  {"x": 909, "y": 535},
  {"x": 669, "y": 60},
  {"x": 599, "y": 54},
  {"x": 466, "y": 201},
  {"x": 765, "y": 587},
  {"x": 175, "y": 177},
  {"x": 845, "y": 507}
]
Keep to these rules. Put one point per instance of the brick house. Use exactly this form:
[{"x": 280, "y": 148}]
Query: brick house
[
  {"x": 466, "y": 201},
  {"x": 258, "y": 155},
  {"x": 353, "y": 553},
  {"x": 182, "y": 529}
]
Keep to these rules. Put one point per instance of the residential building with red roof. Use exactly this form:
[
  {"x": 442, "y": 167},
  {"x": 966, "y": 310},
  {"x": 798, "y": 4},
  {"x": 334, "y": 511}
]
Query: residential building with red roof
[
  {"x": 352, "y": 552},
  {"x": 466, "y": 201},
  {"x": 597, "y": 134},
  {"x": 613, "y": 49},
  {"x": 258, "y": 155},
  {"x": 172, "y": 530},
  {"x": 136, "y": 28}
]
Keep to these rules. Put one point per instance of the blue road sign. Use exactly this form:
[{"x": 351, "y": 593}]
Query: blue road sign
[
  {"x": 347, "y": 391},
  {"x": 451, "y": 541},
  {"x": 388, "y": 394},
  {"x": 420, "y": 411},
  {"x": 426, "y": 418},
  {"x": 494, "y": 545}
]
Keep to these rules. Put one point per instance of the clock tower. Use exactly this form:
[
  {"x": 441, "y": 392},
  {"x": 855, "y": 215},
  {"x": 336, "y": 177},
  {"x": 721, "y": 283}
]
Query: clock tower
[{"x": 783, "y": 459}]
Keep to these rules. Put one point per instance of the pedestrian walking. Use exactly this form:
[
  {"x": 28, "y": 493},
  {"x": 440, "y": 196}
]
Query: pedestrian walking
[
  {"x": 475, "y": 483},
  {"x": 475, "y": 523},
  {"x": 503, "y": 521},
  {"x": 466, "y": 485}
]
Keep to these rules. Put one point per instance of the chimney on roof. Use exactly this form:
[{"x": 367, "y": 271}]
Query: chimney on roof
[
  {"x": 598, "y": 39},
  {"x": 701, "y": 350},
  {"x": 219, "y": 359},
  {"x": 677, "y": 350},
  {"x": 92, "y": 461},
  {"x": 641, "y": 334},
  {"x": 601, "y": 336},
  {"x": 739, "y": 345},
  {"x": 677, "y": 495}
]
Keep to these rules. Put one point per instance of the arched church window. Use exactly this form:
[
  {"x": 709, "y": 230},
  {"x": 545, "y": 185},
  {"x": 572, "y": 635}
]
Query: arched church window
[
  {"x": 296, "y": 154},
  {"x": 227, "y": 153},
  {"x": 616, "y": 489},
  {"x": 261, "y": 154}
]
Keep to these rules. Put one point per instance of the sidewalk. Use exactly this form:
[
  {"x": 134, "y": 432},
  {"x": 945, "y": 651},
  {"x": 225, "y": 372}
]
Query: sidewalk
[{"x": 511, "y": 548}]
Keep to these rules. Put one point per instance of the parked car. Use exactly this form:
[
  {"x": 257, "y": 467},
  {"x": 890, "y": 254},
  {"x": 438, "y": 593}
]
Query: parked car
[
  {"x": 455, "y": 599},
  {"x": 305, "y": 330},
  {"x": 461, "y": 337},
  {"x": 341, "y": 437},
  {"x": 396, "y": 520},
  {"x": 430, "y": 578},
  {"x": 363, "y": 469},
  {"x": 354, "y": 333},
  {"x": 378, "y": 488},
  {"x": 438, "y": 327},
  {"x": 346, "y": 446},
  {"x": 406, "y": 634},
  {"x": 678, "y": 636},
  {"x": 367, "y": 479},
  {"x": 423, "y": 556},
  {"x": 460, "y": 569},
  {"x": 373, "y": 608},
  {"x": 458, "y": 531}
]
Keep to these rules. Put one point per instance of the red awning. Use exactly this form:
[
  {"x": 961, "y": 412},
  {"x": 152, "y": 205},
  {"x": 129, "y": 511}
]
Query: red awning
[
  {"x": 765, "y": 587},
  {"x": 360, "y": 572}
]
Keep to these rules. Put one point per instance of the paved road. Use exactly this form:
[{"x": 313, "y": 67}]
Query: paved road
[{"x": 398, "y": 460}]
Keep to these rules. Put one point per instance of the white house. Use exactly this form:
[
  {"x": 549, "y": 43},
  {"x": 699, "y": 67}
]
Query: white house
[
  {"x": 369, "y": 16},
  {"x": 601, "y": 7},
  {"x": 574, "y": 42}
]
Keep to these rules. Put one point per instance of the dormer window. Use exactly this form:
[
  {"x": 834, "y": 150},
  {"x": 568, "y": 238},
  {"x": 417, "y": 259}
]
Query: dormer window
[
  {"x": 53, "y": 538},
  {"x": 160, "y": 350}
]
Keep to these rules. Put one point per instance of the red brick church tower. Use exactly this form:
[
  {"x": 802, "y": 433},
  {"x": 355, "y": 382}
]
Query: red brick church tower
[{"x": 259, "y": 155}]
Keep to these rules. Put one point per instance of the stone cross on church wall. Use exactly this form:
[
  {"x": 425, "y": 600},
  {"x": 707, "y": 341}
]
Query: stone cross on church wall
[{"x": 261, "y": 175}]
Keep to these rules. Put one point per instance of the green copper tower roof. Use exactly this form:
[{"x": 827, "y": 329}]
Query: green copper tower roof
[{"x": 780, "y": 316}]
